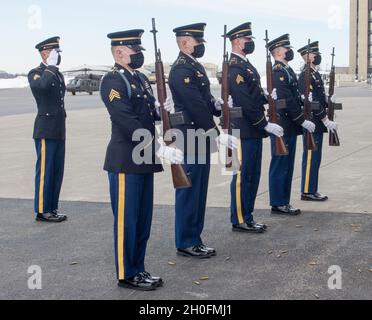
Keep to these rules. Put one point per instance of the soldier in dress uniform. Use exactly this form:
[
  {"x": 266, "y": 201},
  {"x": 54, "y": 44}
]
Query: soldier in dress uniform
[
  {"x": 247, "y": 93},
  {"x": 311, "y": 160},
  {"x": 48, "y": 88},
  {"x": 292, "y": 119},
  {"x": 130, "y": 102},
  {"x": 192, "y": 97}
]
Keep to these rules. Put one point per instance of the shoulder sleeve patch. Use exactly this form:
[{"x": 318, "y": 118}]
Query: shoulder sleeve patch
[
  {"x": 181, "y": 60},
  {"x": 233, "y": 61},
  {"x": 36, "y": 77}
]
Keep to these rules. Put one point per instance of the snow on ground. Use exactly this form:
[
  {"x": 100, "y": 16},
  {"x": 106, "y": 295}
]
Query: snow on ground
[{"x": 19, "y": 82}]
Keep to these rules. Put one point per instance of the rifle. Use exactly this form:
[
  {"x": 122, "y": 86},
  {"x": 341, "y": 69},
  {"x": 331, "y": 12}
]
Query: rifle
[
  {"x": 334, "y": 141},
  {"x": 280, "y": 147},
  {"x": 225, "y": 97},
  {"x": 310, "y": 142},
  {"x": 180, "y": 178}
]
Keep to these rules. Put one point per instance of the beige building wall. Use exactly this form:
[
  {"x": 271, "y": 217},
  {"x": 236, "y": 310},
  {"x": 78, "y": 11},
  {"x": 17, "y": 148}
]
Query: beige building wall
[
  {"x": 353, "y": 36},
  {"x": 359, "y": 37},
  {"x": 363, "y": 39}
]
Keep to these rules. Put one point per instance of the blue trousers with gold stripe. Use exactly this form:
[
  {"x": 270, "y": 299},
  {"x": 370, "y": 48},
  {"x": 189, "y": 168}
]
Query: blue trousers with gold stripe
[
  {"x": 244, "y": 185},
  {"x": 311, "y": 161},
  {"x": 281, "y": 173},
  {"x": 49, "y": 174},
  {"x": 132, "y": 198},
  {"x": 191, "y": 204}
]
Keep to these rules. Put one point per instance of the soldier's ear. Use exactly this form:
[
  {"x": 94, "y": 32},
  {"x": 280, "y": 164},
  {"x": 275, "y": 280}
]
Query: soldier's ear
[{"x": 119, "y": 52}]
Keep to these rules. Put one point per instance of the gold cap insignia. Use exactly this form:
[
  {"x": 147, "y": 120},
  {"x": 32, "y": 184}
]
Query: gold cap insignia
[
  {"x": 36, "y": 76},
  {"x": 187, "y": 80},
  {"x": 282, "y": 78}
]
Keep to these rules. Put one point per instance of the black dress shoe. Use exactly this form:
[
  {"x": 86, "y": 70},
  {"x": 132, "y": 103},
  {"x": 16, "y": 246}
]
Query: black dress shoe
[
  {"x": 249, "y": 228},
  {"x": 138, "y": 282},
  {"x": 157, "y": 280},
  {"x": 56, "y": 212},
  {"x": 286, "y": 210},
  {"x": 196, "y": 252},
  {"x": 313, "y": 197},
  {"x": 50, "y": 217},
  {"x": 263, "y": 226},
  {"x": 209, "y": 250}
]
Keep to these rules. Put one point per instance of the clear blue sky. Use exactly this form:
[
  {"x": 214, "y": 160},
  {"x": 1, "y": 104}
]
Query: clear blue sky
[{"x": 83, "y": 26}]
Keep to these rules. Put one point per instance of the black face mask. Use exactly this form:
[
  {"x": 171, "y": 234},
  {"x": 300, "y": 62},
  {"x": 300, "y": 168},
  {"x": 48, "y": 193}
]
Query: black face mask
[
  {"x": 136, "y": 60},
  {"x": 289, "y": 55},
  {"x": 59, "y": 59},
  {"x": 249, "y": 47},
  {"x": 317, "y": 60},
  {"x": 199, "y": 50}
]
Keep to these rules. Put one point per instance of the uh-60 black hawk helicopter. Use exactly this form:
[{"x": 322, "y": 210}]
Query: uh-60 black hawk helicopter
[{"x": 87, "y": 80}]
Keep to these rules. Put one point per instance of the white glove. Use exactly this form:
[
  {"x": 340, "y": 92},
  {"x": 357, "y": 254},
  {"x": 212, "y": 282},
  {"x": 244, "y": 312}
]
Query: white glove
[
  {"x": 231, "y": 102},
  {"x": 228, "y": 141},
  {"x": 310, "y": 97},
  {"x": 333, "y": 99},
  {"x": 168, "y": 105},
  {"x": 274, "y": 95},
  {"x": 309, "y": 126},
  {"x": 274, "y": 129},
  {"x": 53, "y": 58},
  {"x": 330, "y": 125},
  {"x": 173, "y": 155},
  {"x": 219, "y": 103}
]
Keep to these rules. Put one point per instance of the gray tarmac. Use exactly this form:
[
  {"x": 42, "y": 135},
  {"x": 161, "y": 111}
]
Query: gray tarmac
[{"x": 290, "y": 261}]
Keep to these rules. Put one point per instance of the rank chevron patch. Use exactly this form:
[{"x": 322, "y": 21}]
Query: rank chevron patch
[
  {"x": 114, "y": 95},
  {"x": 239, "y": 79}
]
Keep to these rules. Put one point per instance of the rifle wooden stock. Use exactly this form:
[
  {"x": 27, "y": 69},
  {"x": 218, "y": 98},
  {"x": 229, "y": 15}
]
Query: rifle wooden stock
[
  {"x": 225, "y": 97},
  {"x": 334, "y": 140},
  {"x": 280, "y": 146},
  {"x": 179, "y": 176},
  {"x": 310, "y": 142}
]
